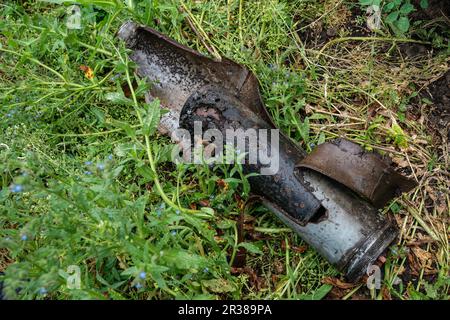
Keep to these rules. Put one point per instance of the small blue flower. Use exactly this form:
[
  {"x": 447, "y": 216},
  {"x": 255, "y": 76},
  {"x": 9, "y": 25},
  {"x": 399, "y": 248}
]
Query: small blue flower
[
  {"x": 163, "y": 205},
  {"x": 142, "y": 275},
  {"x": 88, "y": 163},
  {"x": 158, "y": 213},
  {"x": 88, "y": 173},
  {"x": 138, "y": 285},
  {"x": 43, "y": 291},
  {"x": 116, "y": 76},
  {"x": 110, "y": 157},
  {"x": 9, "y": 115},
  {"x": 16, "y": 188},
  {"x": 173, "y": 232},
  {"x": 206, "y": 270},
  {"x": 24, "y": 237},
  {"x": 101, "y": 166},
  {"x": 177, "y": 212}
]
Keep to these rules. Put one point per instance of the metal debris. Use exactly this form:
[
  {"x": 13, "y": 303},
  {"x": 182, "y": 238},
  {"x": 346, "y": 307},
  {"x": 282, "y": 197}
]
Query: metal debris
[{"x": 330, "y": 197}]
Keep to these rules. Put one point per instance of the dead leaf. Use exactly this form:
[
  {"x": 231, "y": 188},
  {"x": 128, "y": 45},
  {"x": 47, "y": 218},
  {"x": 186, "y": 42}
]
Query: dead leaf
[
  {"x": 299, "y": 249},
  {"x": 222, "y": 184},
  {"x": 335, "y": 282},
  {"x": 88, "y": 72},
  {"x": 401, "y": 162},
  {"x": 424, "y": 257},
  {"x": 204, "y": 203},
  {"x": 219, "y": 285},
  {"x": 386, "y": 294}
]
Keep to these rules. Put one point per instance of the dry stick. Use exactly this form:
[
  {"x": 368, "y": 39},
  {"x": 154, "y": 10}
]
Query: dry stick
[
  {"x": 338, "y": 40},
  {"x": 201, "y": 34},
  {"x": 240, "y": 21},
  {"x": 322, "y": 16},
  {"x": 416, "y": 215},
  {"x": 336, "y": 114}
]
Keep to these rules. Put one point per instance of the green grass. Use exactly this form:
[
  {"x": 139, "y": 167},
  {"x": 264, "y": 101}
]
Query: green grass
[{"x": 96, "y": 189}]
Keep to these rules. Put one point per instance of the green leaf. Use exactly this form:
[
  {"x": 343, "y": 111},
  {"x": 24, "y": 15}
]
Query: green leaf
[
  {"x": 117, "y": 171},
  {"x": 130, "y": 271},
  {"x": 303, "y": 129},
  {"x": 402, "y": 24},
  {"x": 151, "y": 118},
  {"x": 146, "y": 173},
  {"x": 219, "y": 285},
  {"x": 406, "y": 8},
  {"x": 424, "y": 4},
  {"x": 389, "y": 7},
  {"x": 319, "y": 294},
  {"x": 398, "y": 135},
  {"x": 207, "y": 210},
  {"x": 365, "y": 2},
  {"x": 118, "y": 98},
  {"x": 321, "y": 138},
  {"x": 393, "y": 16},
  {"x": 250, "y": 247},
  {"x": 181, "y": 259}
]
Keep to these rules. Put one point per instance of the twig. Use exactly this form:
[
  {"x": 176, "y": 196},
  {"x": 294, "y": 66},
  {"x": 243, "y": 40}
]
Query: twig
[
  {"x": 338, "y": 40},
  {"x": 201, "y": 34}
]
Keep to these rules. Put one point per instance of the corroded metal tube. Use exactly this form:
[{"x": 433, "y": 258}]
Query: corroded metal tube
[{"x": 332, "y": 205}]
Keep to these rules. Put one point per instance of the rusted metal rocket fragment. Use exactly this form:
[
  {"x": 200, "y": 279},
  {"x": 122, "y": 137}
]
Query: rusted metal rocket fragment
[{"x": 329, "y": 197}]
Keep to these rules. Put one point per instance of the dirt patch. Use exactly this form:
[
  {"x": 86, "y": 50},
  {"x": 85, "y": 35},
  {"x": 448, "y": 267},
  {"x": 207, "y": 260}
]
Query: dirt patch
[
  {"x": 439, "y": 93},
  {"x": 346, "y": 21},
  {"x": 350, "y": 21},
  {"x": 437, "y": 9}
]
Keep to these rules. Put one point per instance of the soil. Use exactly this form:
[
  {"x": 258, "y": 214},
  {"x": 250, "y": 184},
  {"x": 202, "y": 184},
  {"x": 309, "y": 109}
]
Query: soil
[
  {"x": 436, "y": 9},
  {"x": 439, "y": 93},
  {"x": 316, "y": 34}
]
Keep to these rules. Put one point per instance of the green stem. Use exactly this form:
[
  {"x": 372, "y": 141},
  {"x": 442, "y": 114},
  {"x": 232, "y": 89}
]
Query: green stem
[
  {"x": 338, "y": 40},
  {"x": 236, "y": 243},
  {"x": 88, "y": 46},
  {"x": 92, "y": 133},
  {"x": 150, "y": 155},
  {"x": 59, "y": 75}
]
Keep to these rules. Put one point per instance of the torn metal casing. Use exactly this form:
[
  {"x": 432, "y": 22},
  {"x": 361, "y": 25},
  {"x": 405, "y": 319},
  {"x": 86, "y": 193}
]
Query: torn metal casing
[
  {"x": 216, "y": 108},
  {"x": 314, "y": 196},
  {"x": 366, "y": 173}
]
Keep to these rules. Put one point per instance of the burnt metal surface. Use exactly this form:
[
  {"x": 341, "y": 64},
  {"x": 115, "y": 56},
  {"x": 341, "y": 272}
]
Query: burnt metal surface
[
  {"x": 217, "y": 109},
  {"x": 314, "y": 196},
  {"x": 351, "y": 234},
  {"x": 366, "y": 173},
  {"x": 177, "y": 71}
]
